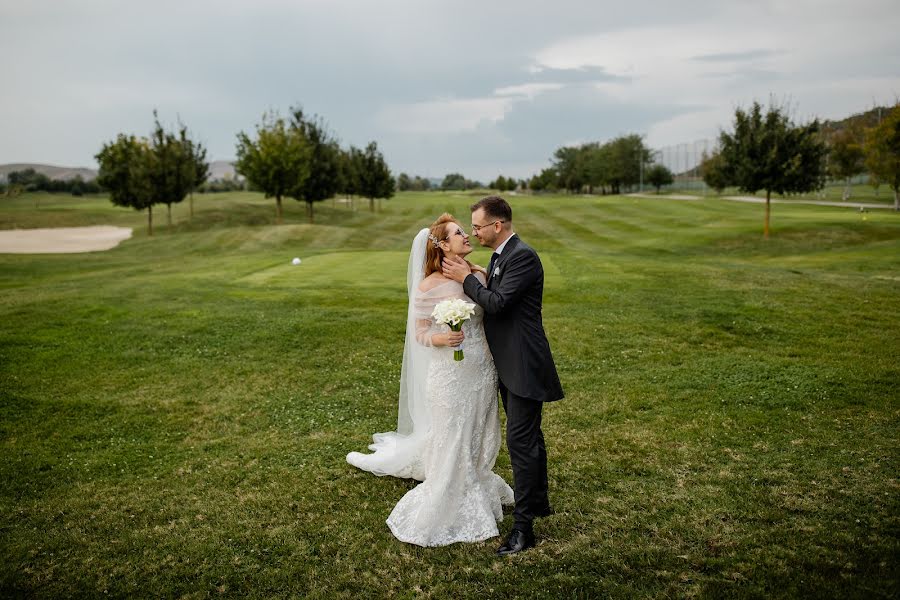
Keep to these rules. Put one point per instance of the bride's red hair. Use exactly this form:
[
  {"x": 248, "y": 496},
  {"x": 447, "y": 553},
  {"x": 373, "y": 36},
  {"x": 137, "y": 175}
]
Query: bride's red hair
[{"x": 433, "y": 254}]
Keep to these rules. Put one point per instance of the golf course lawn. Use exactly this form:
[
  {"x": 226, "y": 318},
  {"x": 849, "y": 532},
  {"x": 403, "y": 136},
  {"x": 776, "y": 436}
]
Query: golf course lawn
[{"x": 176, "y": 410}]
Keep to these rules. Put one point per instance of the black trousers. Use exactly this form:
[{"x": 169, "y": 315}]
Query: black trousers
[{"x": 528, "y": 456}]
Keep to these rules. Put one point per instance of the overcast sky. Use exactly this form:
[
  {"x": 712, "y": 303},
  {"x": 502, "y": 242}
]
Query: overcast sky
[{"x": 478, "y": 87}]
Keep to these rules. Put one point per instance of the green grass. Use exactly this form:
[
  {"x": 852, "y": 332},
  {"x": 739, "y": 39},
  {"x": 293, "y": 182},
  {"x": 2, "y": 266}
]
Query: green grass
[{"x": 176, "y": 411}]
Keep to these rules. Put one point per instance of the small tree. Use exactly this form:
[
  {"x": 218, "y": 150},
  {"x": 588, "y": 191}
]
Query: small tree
[
  {"x": 347, "y": 180},
  {"x": 375, "y": 177},
  {"x": 172, "y": 171},
  {"x": 846, "y": 157},
  {"x": 498, "y": 184},
  {"x": 768, "y": 152},
  {"x": 404, "y": 183},
  {"x": 883, "y": 152},
  {"x": 571, "y": 168},
  {"x": 454, "y": 181},
  {"x": 125, "y": 166},
  {"x": 199, "y": 165},
  {"x": 276, "y": 162},
  {"x": 713, "y": 172},
  {"x": 352, "y": 167},
  {"x": 324, "y": 161},
  {"x": 658, "y": 176},
  {"x": 545, "y": 180}
]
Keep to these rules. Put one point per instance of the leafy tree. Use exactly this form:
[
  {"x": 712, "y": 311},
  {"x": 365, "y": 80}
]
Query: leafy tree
[
  {"x": 125, "y": 166},
  {"x": 421, "y": 184},
  {"x": 454, "y": 181},
  {"x": 545, "y": 180},
  {"x": 352, "y": 165},
  {"x": 276, "y": 161},
  {"x": 768, "y": 152},
  {"x": 375, "y": 177},
  {"x": 172, "y": 168},
  {"x": 712, "y": 170},
  {"x": 609, "y": 166},
  {"x": 28, "y": 180},
  {"x": 658, "y": 176},
  {"x": 324, "y": 161},
  {"x": 502, "y": 184},
  {"x": 199, "y": 165},
  {"x": 77, "y": 186},
  {"x": 624, "y": 159},
  {"x": 571, "y": 168},
  {"x": 348, "y": 176},
  {"x": 883, "y": 152},
  {"x": 404, "y": 184},
  {"x": 846, "y": 157}
]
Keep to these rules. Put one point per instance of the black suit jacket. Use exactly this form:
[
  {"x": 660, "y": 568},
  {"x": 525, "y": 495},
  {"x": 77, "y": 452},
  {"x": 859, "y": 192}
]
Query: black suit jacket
[{"x": 512, "y": 322}]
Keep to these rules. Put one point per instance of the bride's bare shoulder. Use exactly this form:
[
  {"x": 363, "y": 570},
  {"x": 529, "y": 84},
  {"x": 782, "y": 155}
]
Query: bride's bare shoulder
[{"x": 432, "y": 281}]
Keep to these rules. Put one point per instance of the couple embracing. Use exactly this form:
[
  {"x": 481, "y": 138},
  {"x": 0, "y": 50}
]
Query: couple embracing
[{"x": 448, "y": 430}]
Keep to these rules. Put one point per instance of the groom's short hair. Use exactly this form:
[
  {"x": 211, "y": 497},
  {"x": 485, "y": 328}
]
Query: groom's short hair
[{"x": 494, "y": 207}]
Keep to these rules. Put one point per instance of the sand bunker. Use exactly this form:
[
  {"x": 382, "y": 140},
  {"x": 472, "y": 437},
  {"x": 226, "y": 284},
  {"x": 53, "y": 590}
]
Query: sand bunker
[{"x": 62, "y": 239}]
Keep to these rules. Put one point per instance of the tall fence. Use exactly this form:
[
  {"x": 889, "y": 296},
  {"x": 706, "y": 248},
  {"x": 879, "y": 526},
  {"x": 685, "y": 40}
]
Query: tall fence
[{"x": 683, "y": 161}]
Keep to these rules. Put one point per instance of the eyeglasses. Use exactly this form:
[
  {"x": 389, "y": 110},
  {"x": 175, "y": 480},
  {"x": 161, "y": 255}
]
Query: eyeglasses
[
  {"x": 477, "y": 228},
  {"x": 458, "y": 232}
]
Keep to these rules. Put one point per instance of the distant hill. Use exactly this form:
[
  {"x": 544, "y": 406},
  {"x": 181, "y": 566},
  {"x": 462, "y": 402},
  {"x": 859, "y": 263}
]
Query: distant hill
[
  {"x": 64, "y": 173},
  {"x": 220, "y": 170},
  {"x": 863, "y": 120}
]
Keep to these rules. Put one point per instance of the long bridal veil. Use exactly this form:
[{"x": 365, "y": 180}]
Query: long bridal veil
[{"x": 401, "y": 453}]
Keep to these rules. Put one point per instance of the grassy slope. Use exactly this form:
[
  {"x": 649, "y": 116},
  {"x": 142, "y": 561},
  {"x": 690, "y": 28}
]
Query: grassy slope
[{"x": 176, "y": 411}]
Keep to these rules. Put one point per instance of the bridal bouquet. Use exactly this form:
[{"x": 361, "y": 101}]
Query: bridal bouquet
[{"x": 453, "y": 312}]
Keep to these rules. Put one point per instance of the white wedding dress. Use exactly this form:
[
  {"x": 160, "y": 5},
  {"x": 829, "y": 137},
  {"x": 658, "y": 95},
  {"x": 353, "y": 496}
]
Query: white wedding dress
[{"x": 448, "y": 431}]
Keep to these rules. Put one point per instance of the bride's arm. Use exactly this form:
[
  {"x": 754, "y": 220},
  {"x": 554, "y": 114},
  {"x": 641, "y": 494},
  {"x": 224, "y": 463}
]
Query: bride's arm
[{"x": 426, "y": 336}]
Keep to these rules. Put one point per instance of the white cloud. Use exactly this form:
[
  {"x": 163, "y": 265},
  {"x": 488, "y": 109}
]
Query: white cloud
[
  {"x": 458, "y": 115},
  {"x": 443, "y": 116},
  {"x": 527, "y": 90}
]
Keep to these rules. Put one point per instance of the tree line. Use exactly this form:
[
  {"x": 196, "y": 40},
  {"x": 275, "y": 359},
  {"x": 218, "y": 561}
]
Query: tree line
[
  {"x": 764, "y": 151},
  {"x": 871, "y": 148},
  {"x": 300, "y": 158},
  {"x": 162, "y": 169},
  {"x": 29, "y": 180},
  {"x": 295, "y": 158}
]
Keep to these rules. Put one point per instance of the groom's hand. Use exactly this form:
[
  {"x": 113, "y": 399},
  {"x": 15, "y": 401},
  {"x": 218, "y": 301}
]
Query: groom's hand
[{"x": 455, "y": 268}]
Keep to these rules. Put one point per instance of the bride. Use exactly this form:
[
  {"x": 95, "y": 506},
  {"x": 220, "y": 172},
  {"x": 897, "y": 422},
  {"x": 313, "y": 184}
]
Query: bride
[{"x": 448, "y": 427}]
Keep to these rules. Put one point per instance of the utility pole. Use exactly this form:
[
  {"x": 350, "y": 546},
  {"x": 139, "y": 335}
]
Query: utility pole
[{"x": 641, "y": 167}]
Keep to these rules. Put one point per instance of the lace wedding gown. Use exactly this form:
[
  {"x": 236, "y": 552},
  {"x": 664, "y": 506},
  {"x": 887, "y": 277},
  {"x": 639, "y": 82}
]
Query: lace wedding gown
[{"x": 461, "y": 498}]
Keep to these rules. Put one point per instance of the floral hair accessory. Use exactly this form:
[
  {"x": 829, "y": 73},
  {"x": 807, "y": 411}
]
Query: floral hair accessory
[{"x": 435, "y": 242}]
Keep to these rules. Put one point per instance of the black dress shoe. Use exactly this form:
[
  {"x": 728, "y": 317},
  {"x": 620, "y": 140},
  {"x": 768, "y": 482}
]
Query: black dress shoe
[
  {"x": 516, "y": 542},
  {"x": 545, "y": 512}
]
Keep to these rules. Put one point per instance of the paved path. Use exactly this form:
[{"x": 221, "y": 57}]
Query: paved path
[
  {"x": 62, "y": 240},
  {"x": 756, "y": 200},
  {"x": 665, "y": 196}
]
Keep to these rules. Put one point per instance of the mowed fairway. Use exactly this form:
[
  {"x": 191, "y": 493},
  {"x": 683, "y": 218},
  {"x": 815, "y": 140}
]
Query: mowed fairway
[{"x": 176, "y": 411}]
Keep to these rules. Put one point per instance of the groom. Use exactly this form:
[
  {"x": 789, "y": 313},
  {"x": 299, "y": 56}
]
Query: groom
[{"x": 512, "y": 323}]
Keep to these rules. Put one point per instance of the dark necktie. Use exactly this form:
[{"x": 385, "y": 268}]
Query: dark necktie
[{"x": 491, "y": 264}]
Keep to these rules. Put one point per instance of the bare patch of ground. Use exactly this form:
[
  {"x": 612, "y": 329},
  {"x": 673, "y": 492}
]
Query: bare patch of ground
[{"x": 62, "y": 240}]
